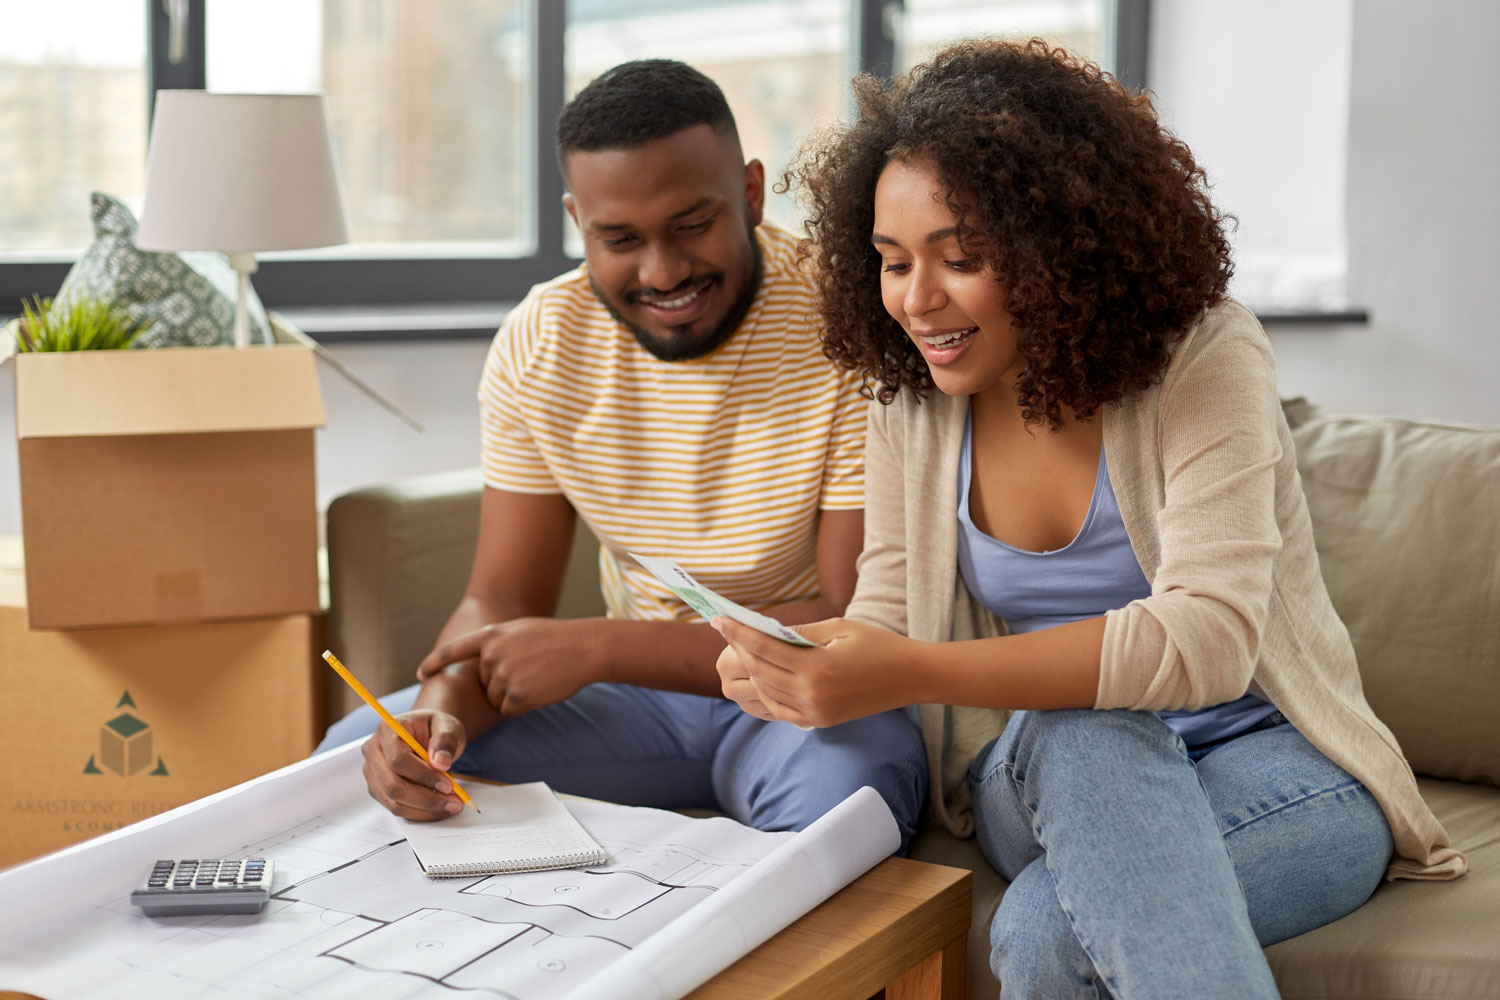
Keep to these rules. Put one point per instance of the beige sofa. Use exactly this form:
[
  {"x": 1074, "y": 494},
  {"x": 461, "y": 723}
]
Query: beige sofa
[{"x": 1407, "y": 520}]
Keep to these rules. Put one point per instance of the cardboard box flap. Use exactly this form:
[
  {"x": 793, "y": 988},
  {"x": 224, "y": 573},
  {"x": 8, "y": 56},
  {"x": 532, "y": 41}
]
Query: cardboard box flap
[
  {"x": 286, "y": 333},
  {"x": 170, "y": 390}
]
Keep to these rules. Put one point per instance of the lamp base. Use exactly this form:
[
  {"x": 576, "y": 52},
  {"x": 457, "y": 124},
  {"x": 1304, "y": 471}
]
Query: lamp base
[{"x": 244, "y": 265}]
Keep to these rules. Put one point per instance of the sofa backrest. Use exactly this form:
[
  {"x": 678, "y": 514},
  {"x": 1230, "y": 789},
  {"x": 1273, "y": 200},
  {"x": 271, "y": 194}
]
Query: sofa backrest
[{"x": 1406, "y": 518}]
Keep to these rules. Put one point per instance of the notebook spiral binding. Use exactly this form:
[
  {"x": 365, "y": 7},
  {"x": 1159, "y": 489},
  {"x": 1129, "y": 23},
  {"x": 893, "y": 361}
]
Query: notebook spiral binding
[{"x": 543, "y": 864}]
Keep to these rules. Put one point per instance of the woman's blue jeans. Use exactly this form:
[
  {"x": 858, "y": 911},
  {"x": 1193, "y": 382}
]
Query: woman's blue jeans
[{"x": 1139, "y": 868}]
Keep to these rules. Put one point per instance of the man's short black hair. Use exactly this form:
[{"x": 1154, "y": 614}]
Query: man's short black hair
[{"x": 638, "y": 101}]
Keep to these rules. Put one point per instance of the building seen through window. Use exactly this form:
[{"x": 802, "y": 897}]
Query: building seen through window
[
  {"x": 784, "y": 65},
  {"x": 427, "y": 106},
  {"x": 72, "y": 118},
  {"x": 1083, "y": 27}
]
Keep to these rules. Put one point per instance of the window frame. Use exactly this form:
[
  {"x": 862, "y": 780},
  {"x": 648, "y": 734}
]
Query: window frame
[{"x": 464, "y": 284}]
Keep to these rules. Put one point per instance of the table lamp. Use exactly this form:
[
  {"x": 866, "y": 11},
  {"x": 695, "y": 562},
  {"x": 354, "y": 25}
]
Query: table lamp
[{"x": 240, "y": 173}]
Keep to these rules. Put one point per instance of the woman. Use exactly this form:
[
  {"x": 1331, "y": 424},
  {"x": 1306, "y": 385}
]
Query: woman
[{"x": 1103, "y": 474}]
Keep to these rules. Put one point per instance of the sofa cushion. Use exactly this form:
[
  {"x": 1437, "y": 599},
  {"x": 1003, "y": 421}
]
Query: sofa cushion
[
  {"x": 1413, "y": 940},
  {"x": 1406, "y": 518}
]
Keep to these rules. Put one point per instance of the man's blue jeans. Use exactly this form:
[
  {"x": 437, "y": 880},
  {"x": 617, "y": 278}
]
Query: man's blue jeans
[
  {"x": 642, "y": 747},
  {"x": 1139, "y": 868}
]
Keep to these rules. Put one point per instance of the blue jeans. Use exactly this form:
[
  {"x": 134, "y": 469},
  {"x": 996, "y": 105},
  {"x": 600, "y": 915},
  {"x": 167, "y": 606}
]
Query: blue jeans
[
  {"x": 644, "y": 747},
  {"x": 1141, "y": 869}
]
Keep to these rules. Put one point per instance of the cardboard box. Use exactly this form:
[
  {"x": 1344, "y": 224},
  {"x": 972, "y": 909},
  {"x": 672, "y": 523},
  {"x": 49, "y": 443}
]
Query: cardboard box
[
  {"x": 104, "y": 727},
  {"x": 169, "y": 485}
]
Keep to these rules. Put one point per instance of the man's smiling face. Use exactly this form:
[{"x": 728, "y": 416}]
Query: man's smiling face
[{"x": 669, "y": 236}]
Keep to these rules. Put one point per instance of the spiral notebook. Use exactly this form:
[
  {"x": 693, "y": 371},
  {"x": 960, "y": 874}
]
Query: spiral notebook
[{"x": 522, "y": 828}]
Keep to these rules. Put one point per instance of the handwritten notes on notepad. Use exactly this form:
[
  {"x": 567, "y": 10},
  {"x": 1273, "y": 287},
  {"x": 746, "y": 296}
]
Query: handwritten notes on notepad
[{"x": 523, "y": 828}]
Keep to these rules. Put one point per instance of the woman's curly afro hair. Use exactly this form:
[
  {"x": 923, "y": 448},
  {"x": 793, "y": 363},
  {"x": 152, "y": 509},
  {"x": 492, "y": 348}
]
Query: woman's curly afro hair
[{"x": 1094, "y": 220}]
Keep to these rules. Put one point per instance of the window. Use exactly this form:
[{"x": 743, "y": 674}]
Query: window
[
  {"x": 427, "y": 113},
  {"x": 72, "y": 119},
  {"x": 1083, "y": 27},
  {"x": 783, "y": 64},
  {"x": 441, "y": 114}
]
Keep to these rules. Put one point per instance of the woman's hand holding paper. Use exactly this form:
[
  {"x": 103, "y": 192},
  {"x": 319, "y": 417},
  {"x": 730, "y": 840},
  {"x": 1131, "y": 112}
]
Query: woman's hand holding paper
[{"x": 855, "y": 670}]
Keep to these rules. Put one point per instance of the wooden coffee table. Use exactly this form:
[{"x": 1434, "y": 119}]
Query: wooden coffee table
[{"x": 901, "y": 926}]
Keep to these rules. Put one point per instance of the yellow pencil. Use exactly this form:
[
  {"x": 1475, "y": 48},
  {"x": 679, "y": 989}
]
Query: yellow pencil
[{"x": 390, "y": 720}]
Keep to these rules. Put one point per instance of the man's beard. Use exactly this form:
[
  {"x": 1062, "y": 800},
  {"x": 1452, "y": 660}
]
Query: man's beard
[{"x": 685, "y": 348}]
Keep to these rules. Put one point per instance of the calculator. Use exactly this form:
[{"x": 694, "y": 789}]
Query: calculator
[{"x": 204, "y": 885}]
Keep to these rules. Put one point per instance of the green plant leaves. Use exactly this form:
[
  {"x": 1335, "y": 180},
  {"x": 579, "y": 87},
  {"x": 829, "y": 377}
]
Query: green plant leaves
[{"x": 80, "y": 325}]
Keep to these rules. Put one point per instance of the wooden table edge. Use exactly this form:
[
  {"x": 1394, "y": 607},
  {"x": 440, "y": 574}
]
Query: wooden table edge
[{"x": 902, "y": 924}]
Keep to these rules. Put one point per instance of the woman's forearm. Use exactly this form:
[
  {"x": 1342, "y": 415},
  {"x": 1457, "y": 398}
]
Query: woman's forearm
[{"x": 1053, "y": 668}]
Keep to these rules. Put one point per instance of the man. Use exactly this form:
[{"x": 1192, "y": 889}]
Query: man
[{"x": 673, "y": 393}]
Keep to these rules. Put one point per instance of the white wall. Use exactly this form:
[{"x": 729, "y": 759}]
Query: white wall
[
  {"x": 1260, "y": 93},
  {"x": 1424, "y": 220},
  {"x": 1420, "y": 192},
  {"x": 362, "y": 443}
]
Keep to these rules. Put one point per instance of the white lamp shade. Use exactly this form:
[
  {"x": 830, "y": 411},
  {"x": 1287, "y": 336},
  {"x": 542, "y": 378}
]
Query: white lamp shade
[{"x": 240, "y": 173}]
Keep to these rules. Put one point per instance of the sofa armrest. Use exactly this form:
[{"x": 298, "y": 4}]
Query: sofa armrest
[{"x": 399, "y": 556}]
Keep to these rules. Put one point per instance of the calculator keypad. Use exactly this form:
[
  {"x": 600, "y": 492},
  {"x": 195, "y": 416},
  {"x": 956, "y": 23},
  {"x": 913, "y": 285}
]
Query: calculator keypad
[{"x": 204, "y": 885}]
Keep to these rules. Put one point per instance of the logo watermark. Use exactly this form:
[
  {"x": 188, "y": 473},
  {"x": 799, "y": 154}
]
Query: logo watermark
[{"x": 125, "y": 745}]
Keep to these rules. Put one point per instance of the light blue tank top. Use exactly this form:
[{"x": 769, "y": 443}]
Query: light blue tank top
[{"x": 1096, "y": 572}]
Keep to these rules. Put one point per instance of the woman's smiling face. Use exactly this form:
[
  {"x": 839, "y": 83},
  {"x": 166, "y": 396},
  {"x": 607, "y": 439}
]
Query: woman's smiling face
[{"x": 948, "y": 301}]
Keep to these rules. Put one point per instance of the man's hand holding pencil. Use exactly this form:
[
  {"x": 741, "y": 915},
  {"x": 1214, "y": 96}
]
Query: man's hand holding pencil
[{"x": 407, "y": 779}]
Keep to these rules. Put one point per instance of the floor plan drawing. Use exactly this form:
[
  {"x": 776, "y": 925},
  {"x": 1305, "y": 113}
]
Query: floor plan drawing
[
  {"x": 352, "y": 914},
  {"x": 353, "y": 917}
]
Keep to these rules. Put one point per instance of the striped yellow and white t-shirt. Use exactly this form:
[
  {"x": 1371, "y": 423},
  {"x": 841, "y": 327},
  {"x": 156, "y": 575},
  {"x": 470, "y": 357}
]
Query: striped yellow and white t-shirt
[{"x": 721, "y": 463}]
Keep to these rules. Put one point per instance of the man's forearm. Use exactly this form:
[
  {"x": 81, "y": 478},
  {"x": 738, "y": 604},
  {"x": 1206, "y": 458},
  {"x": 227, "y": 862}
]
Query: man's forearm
[
  {"x": 804, "y": 612},
  {"x": 666, "y": 655}
]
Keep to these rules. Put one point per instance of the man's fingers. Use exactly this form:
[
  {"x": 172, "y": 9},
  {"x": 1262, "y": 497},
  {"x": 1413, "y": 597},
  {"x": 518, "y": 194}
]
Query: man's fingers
[
  {"x": 404, "y": 797},
  {"x": 445, "y": 742},
  {"x": 465, "y": 647},
  {"x": 403, "y": 763}
]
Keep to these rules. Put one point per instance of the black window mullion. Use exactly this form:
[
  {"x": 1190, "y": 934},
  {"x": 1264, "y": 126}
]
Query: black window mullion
[
  {"x": 1132, "y": 34},
  {"x": 874, "y": 41},
  {"x": 550, "y": 21},
  {"x": 163, "y": 74},
  {"x": 24, "y": 279}
]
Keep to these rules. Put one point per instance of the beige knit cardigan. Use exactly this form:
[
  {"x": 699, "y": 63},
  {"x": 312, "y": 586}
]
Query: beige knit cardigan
[{"x": 1203, "y": 467}]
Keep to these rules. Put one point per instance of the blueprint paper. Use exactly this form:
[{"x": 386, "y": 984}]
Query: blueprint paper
[
  {"x": 352, "y": 916},
  {"x": 796, "y": 876}
]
